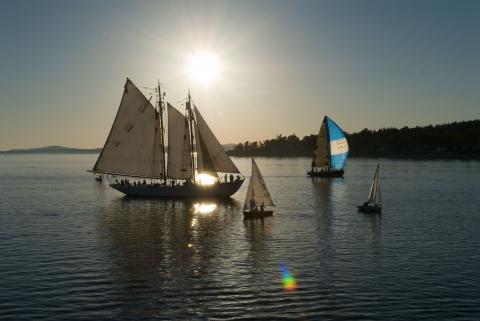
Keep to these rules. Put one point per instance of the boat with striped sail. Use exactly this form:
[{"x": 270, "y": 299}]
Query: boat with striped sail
[
  {"x": 257, "y": 196},
  {"x": 374, "y": 202},
  {"x": 188, "y": 166},
  {"x": 331, "y": 151}
]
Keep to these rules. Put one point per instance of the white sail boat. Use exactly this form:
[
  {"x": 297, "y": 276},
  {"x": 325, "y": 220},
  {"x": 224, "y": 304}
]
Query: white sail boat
[
  {"x": 374, "y": 202},
  {"x": 257, "y": 196},
  {"x": 135, "y": 151},
  {"x": 331, "y": 151}
]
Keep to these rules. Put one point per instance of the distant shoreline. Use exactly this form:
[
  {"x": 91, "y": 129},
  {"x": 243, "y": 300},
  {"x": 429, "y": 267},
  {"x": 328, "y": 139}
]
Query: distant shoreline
[
  {"x": 457, "y": 140},
  {"x": 417, "y": 158},
  {"x": 52, "y": 150}
]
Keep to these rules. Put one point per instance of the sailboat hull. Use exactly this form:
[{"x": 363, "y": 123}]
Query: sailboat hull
[
  {"x": 218, "y": 190},
  {"x": 369, "y": 208},
  {"x": 256, "y": 214},
  {"x": 326, "y": 173}
]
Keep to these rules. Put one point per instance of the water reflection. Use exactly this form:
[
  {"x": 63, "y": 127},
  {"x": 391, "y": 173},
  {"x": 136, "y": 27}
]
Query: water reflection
[
  {"x": 158, "y": 247},
  {"x": 375, "y": 222},
  {"x": 204, "y": 208}
]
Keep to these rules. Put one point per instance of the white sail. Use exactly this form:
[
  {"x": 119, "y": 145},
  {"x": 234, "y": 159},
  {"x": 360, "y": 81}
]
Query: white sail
[
  {"x": 212, "y": 156},
  {"x": 134, "y": 145},
  {"x": 321, "y": 153},
  {"x": 374, "y": 196},
  {"x": 249, "y": 196},
  {"x": 257, "y": 189},
  {"x": 179, "y": 148}
]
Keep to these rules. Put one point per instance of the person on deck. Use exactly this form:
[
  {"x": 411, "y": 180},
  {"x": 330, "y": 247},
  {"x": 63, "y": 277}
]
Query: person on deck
[
  {"x": 231, "y": 177},
  {"x": 225, "y": 177},
  {"x": 262, "y": 206}
]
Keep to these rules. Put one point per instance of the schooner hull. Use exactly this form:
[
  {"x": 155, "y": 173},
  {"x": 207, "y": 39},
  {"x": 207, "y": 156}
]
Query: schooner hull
[
  {"x": 218, "y": 190},
  {"x": 326, "y": 173}
]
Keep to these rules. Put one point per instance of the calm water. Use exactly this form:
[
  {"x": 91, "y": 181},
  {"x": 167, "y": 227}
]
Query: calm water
[{"x": 73, "y": 249}]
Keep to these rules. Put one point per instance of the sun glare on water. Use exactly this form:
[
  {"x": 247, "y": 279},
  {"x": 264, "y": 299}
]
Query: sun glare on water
[
  {"x": 203, "y": 67},
  {"x": 202, "y": 208}
]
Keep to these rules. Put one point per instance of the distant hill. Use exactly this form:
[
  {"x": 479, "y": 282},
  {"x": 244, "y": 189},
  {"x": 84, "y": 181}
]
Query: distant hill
[
  {"x": 69, "y": 150},
  {"x": 454, "y": 140},
  {"x": 53, "y": 150}
]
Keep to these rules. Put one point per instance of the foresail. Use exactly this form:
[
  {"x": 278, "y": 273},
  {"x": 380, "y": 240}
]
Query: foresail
[
  {"x": 338, "y": 144},
  {"x": 204, "y": 163},
  {"x": 320, "y": 154},
  {"x": 134, "y": 145},
  {"x": 260, "y": 190},
  {"x": 374, "y": 195},
  {"x": 248, "y": 197},
  {"x": 179, "y": 148},
  {"x": 211, "y": 149}
]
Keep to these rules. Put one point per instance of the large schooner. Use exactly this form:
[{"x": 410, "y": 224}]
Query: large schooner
[
  {"x": 331, "y": 151},
  {"x": 139, "y": 163}
]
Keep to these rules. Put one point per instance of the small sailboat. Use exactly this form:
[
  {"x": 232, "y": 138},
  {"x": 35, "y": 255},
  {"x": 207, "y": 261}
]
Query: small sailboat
[
  {"x": 374, "y": 202},
  {"x": 257, "y": 196},
  {"x": 331, "y": 151}
]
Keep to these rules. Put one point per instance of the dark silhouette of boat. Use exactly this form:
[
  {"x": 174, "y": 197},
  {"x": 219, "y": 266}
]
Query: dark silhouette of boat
[
  {"x": 374, "y": 202},
  {"x": 137, "y": 162},
  {"x": 331, "y": 151},
  {"x": 257, "y": 196}
]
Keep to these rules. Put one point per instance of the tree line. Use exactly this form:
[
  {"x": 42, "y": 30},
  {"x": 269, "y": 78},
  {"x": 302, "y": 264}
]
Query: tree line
[{"x": 453, "y": 140}]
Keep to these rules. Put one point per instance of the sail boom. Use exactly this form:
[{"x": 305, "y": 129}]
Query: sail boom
[{"x": 123, "y": 174}]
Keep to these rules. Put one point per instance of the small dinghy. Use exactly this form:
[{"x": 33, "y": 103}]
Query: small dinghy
[
  {"x": 99, "y": 178},
  {"x": 374, "y": 202},
  {"x": 257, "y": 196}
]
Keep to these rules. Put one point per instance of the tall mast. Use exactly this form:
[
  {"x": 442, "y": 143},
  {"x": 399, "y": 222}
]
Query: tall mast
[
  {"x": 193, "y": 143},
  {"x": 162, "y": 131}
]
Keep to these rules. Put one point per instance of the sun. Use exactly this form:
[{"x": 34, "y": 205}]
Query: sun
[{"x": 203, "y": 67}]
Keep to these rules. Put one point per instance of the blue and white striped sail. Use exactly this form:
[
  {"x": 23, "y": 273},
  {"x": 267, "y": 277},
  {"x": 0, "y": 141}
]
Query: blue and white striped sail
[{"x": 338, "y": 144}]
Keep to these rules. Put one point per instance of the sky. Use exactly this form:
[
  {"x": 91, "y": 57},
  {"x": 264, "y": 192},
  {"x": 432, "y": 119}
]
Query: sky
[{"x": 283, "y": 65}]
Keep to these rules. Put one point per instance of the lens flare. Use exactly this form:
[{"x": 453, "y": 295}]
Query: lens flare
[{"x": 289, "y": 283}]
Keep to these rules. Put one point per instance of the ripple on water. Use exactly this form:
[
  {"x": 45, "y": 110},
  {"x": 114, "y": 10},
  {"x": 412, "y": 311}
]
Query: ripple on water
[{"x": 74, "y": 249}]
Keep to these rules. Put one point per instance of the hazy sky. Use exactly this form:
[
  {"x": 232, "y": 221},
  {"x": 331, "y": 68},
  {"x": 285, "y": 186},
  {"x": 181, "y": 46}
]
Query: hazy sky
[{"x": 284, "y": 64}]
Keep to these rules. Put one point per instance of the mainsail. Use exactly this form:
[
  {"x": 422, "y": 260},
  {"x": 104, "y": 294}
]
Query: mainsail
[
  {"x": 179, "y": 147},
  {"x": 134, "y": 144},
  {"x": 374, "y": 196},
  {"x": 257, "y": 189},
  {"x": 321, "y": 152},
  {"x": 211, "y": 156},
  {"x": 331, "y": 148}
]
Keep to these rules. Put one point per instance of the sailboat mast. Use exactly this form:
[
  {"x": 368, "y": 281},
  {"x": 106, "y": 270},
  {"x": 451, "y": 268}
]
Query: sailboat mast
[
  {"x": 329, "y": 151},
  {"x": 192, "y": 142},
  {"x": 162, "y": 130}
]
